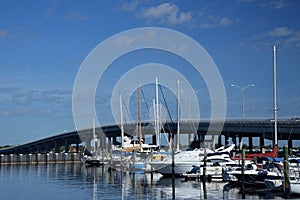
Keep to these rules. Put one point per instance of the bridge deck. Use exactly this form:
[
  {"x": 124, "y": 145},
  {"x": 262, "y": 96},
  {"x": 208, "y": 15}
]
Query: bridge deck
[{"x": 287, "y": 130}]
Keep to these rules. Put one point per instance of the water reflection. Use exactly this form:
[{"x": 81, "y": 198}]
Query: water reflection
[{"x": 75, "y": 181}]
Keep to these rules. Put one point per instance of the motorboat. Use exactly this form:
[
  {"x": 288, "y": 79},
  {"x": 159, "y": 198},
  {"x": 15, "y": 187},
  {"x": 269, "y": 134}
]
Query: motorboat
[
  {"x": 185, "y": 160},
  {"x": 293, "y": 181},
  {"x": 254, "y": 175},
  {"x": 213, "y": 168}
]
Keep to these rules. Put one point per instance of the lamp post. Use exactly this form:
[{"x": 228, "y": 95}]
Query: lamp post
[{"x": 243, "y": 89}]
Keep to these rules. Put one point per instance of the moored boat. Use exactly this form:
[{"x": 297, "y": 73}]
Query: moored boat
[
  {"x": 185, "y": 160},
  {"x": 93, "y": 158},
  {"x": 213, "y": 169},
  {"x": 253, "y": 175},
  {"x": 249, "y": 156}
]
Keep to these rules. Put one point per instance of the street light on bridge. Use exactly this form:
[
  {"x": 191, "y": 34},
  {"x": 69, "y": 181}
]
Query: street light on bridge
[{"x": 242, "y": 89}]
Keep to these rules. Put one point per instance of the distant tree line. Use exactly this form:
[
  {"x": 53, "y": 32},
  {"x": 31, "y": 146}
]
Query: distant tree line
[{"x": 5, "y": 146}]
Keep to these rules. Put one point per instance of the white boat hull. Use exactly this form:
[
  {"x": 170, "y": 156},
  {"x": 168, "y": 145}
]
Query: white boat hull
[
  {"x": 165, "y": 168},
  {"x": 273, "y": 184},
  {"x": 295, "y": 186},
  {"x": 186, "y": 160}
]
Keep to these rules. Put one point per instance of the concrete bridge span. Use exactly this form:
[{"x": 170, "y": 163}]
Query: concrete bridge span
[{"x": 264, "y": 129}]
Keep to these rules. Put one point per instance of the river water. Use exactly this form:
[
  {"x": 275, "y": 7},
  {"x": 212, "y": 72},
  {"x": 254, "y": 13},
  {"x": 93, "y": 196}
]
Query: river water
[{"x": 76, "y": 181}]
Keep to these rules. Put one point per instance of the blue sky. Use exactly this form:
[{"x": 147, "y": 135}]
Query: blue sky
[{"x": 43, "y": 44}]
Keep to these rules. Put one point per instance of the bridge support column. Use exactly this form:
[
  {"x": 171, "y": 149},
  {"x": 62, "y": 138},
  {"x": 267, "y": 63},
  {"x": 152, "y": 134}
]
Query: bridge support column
[
  {"x": 290, "y": 146},
  {"x": 114, "y": 140},
  {"x": 46, "y": 148},
  {"x": 37, "y": 149},
  {"x": 67, "y": 146},
  {"x": 88, "y": 143},
  {"x": 110, "y": 143},
  {"x": 154, "y": 139},
  {"x": 57, "y": 148},
  {"x": 77, "y": 147},
  {"x": 262, "y": 144},
  {"x": 220, "y": 140},
  {"x": 240, "y": 142},
  {"x": 234, "y": 142},
  {"x": 226, "y": 140},
  {"x": 250, "y": 143},
  {"x": 101, "y": 143}
]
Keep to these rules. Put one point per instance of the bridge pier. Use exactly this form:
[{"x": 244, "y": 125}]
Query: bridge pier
[
  {"x": 57, "y": 148},
  {"x": 154, "y": 139},
  {"x": 114, "y": 140},
  {"x": 234, "y": 142},
  {"x": 67, "y": 146},
  {"x": 102, "y": 141},
  {"x": 77, "y": 147},
  {"x": 240, "y": 141},
  {"x": 109, "y": 144},
  {"x": 262, "y": 144},
  {"x": 290, "y": 146},
  {"x": 37, "y": 149},
  {"x": 226, "y": 140},
  {"x": 220, "y": 140},
  {"x": 88, "y": 144},
  {"x": 250, "y": 138}
]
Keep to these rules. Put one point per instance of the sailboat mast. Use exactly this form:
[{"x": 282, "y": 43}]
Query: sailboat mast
[
  {"x": 157, "y": 114},
  {"x": 178, "y": 114},
  {"x": 94, "y": 136},
  {"x": 121, "y": 119},
  {"x": 139, "y": 115},
  {"x": 275, "y": 95}
]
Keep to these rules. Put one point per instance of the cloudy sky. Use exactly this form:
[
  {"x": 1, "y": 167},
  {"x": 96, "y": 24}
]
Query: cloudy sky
[{"x": 43, "y": 44}]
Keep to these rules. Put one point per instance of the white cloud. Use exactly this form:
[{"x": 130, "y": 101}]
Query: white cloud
[
  {"x": 166, "y": 13},
  {"x": 76, "y": 15},
  {"x": 277, "y": 4},
  {"x": 48, "y": 13},
  {"x": 210, "y": 21},
  {"x": 123, "y": 41},
  {"x": 225, "y": 21},
  {"x": 245, "y": 1},
  {"x": 129, "y": 6},
  {"x": 280, "y": 32},
  {"x": 283, "y": 36},
  {"x": 3, "y": 33},
  {"x": 294, "y": 39}
]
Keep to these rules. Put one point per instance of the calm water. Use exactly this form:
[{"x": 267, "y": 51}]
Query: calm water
[{"x": 75, "y": 181}]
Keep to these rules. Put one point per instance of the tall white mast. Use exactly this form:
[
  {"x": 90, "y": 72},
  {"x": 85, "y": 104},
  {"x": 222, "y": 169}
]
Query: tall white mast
[
  {"x": 121, "y": 119},
  {"x": 178, "y": 114},
  {"x": 94, "y": 136},
  {"x": 154, "y": 118},
  {"x": 275, "y": 95},
  {"x": 139, "y": 118},
  {"x": 157, "y": 114}
]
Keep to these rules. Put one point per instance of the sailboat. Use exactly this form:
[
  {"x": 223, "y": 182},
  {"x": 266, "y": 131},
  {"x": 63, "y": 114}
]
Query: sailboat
[
  {"x": 271, "y": 173},
  {"x": 93, "y": 159},
  {"x": 137, "y": 144},
  {"x": 274, "y": 152},
  {"x": 136, "y": 149}
]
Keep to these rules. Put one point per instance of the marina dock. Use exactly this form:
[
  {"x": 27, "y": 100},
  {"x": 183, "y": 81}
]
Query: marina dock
[{"x": 13, "y": 159}]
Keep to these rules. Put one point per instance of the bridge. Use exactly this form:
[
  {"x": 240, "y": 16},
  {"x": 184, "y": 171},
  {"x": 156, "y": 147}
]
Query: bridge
[{"x": 263, "y": 129}]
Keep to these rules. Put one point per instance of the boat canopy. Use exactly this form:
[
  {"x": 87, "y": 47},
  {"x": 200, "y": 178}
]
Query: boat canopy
[
  {"x": 294, "y": 160},
  {"x": 271, "y": 159}
]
